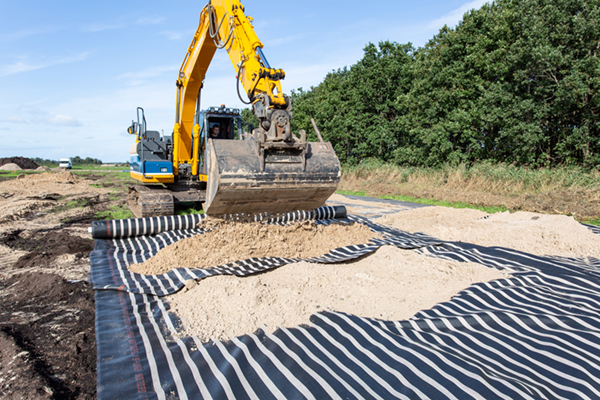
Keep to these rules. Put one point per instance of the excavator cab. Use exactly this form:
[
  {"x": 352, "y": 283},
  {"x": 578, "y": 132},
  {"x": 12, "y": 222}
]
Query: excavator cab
[{"x": 229, "y": 123}]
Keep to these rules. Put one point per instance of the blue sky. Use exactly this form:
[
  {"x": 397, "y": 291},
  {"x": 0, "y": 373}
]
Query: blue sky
[{"x": 73, "y": 72}]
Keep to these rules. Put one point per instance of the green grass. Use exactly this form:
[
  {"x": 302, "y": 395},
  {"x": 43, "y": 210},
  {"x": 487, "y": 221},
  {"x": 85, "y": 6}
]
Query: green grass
[
  {"x": 96, "y": 167},
  {"x": 6, "y": 175},
  {"x": 114, "y": 212},
  {"x": 188, "y": 209},
  {"x": 443, "y": 203},
  {"x": 76, "y": 203},
  {"x": 592, "y": 221}
]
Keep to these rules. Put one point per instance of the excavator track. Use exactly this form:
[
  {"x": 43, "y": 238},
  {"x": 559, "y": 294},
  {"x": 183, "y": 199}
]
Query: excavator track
[
  {"x": 150, "y": 201},
  {"x": 155, "y": 201}
]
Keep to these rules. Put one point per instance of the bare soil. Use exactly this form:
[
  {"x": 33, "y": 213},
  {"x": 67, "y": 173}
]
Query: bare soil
[
  {"x": 47, "y": 340},
  {"x": 230, "y": 241},
  {"x": 47, "y": 337},
  {"x": 22, "y": 162}
]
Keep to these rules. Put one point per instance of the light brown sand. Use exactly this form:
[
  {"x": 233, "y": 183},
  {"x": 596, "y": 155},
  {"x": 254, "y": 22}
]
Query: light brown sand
[
  {"x": 10, "y": 167},
  {"x": 391, "y": 284},
  {"x": 232, "y": 241},
  {"x": 540, "y": 234},
  {"x": 31, "y": 193}
]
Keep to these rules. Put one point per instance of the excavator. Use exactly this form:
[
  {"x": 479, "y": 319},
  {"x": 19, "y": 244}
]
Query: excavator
[{"x": 266, "y": 169}]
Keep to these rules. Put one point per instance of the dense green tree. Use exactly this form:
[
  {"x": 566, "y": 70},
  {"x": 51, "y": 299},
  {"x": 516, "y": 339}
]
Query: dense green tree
[
  {"x": 43, "y": 161},
  {"x": 515, "y": 81},
  {"x": 85, "y": 161},
  {"x": 357, "y": 109},
  {"x": 249, "y": 118}
]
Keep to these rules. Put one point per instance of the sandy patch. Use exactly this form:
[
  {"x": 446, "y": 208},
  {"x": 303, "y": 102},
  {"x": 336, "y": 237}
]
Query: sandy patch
[
  {"x": 534, "y": 233},
  {"x": 10, "y": 167},
  {"x": 391, "y": 284},
  {"x": 232, "y": 241},
  {"x": 31, "y": 193}
]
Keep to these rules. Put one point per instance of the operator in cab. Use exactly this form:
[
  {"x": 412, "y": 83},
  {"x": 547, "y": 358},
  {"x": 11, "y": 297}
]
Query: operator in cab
[{"x": 214, "y": 132}]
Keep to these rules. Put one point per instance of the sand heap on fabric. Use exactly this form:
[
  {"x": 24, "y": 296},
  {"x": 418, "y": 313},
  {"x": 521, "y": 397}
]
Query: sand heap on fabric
[
  {"x": 534, "y": 233},
  {"x": 230, "y": 241},
  {"x": 392, "y": 284}
]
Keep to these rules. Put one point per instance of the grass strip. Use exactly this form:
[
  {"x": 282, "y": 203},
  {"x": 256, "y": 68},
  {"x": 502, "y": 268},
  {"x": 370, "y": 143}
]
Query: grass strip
[
  {"x": 444, "y": 203},
  {"x": 114, "y": 212},
  {"x": 431, "y": 202}
]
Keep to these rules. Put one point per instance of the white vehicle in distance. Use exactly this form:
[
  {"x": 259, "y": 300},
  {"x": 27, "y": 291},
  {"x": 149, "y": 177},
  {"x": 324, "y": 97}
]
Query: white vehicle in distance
[{"x": 65, "y": 163}]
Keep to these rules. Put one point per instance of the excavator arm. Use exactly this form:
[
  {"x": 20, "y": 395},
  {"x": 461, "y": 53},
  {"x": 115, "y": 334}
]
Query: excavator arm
[
  {"x": 269, "y": 169},
  {"x": 223, "y": 24}
]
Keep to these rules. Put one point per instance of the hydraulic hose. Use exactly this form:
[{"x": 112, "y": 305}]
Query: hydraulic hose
[{"x": 237, "y": 84}]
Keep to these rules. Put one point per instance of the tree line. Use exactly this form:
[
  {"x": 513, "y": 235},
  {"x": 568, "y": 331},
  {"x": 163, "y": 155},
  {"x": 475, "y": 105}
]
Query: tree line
[
  {"x": 74, "y": 160},
  {"x": 516, "y": 81}
]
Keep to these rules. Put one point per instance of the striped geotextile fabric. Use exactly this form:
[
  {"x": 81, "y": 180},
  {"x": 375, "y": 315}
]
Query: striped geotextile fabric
[
  {"x": 133, "y": 250},
  {"x": 534, "y": 335},
  {"x": 153, "y": 225}
]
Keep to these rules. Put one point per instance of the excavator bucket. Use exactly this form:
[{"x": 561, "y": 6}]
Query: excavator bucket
[{"x": 247, "y": 176}]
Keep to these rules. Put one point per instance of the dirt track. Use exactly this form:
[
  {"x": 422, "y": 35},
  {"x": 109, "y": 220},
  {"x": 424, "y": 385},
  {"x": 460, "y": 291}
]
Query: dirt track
[{"x": 47, "y": 338}]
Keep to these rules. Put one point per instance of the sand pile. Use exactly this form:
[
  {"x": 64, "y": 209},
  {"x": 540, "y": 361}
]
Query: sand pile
[
  {"x": 30, "y": 193},
  {"x": 51, "y": 177},
  {"x": 10, "y": 167},
  {"x": 540, "y": 234},
  {"x": 22, "y": 162},
  {"x": 230, "y": 241},
  {"x": 392, "y": 284}
]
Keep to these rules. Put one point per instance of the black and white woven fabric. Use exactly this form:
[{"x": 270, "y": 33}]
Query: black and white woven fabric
[
  {"x": 133, "y": 250},
  {"x": 533, "y": 335},
  {"x": 593, "y": 228}
]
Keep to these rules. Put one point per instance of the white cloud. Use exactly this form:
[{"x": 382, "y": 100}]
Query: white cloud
[
  {"x": 99, "y": 27},
  {"x": 24, "y": 64},
  {"x": 453, "y": 17},
  {"x": 178, "y": 35},
  {"x": 140, "y": 77},
  {"x": 64, "y": 120},
  {"x": 150, "y": 20},
  {"x": 31, "y": 114},
  {"x": 286, "y": 39},
  {"x": 15, "y": 119},
  {"x": 16, "y": 35},
  {"x": 17, "y": 67}
]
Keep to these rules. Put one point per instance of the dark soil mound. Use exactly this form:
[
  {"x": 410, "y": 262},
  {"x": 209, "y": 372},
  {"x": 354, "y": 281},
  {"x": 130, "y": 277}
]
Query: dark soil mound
[
  {"x": 24, "y": 163},
  {"x": 48, "y": 329},
  {"x": 45, "y": 248}
]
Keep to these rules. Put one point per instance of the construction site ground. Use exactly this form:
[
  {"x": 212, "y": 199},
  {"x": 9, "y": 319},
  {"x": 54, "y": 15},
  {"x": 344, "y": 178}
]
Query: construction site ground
[{"x": 47, "y": 338}]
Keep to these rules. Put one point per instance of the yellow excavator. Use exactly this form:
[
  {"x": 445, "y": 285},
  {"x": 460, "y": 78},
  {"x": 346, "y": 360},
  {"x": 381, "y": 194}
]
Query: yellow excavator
[{"x": 265, "y": 169}]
